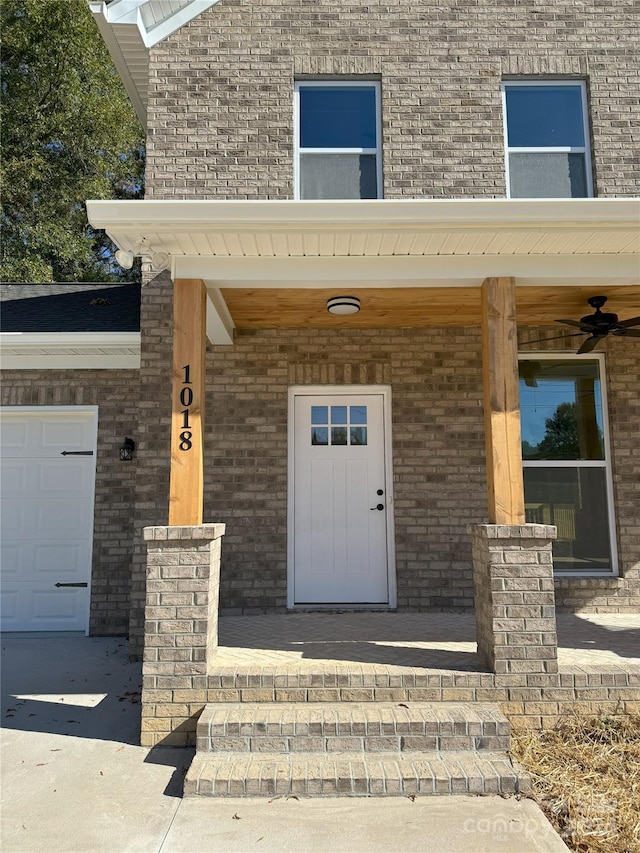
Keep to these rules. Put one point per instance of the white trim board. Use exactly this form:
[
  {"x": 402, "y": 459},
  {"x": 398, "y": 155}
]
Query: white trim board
[{"x": 70, "y": 350}]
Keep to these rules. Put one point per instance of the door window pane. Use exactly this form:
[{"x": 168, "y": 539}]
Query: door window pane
[
  {"x": 338, "y": 435},
  {"x": 319, "y": 414},
  {"x": 337, "y": 117},
  {"x": 358, "y": 414},
  {"x": 561, "y": 409},
  {"x": 575, "y": 500},
  {"x": 338, "y": 414},
  {"x": 358, "y": 435},
  {"x": 319, "y": 435}
]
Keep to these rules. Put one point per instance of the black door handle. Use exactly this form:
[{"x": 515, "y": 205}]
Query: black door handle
[{"x": 378, "y": 507}]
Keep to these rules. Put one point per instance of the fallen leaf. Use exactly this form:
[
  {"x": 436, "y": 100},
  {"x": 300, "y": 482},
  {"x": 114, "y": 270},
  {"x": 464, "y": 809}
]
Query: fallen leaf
[
  {"x": 10, "y": 715},
  {"x": 32, "y": 715},
  {"x": 273, "y": 799},
  {"x": 101, "y": 773},
  {"x": 412, "y": 797},
  {"x": 42, "y": 764},
  {"x": 260, "y": 839},
  {"x": 119, "y": 749},
  {"x": 402, "y": 705},
  {"x": 59, "y": 749},
  {"x": 293, "y": 797},
  {"x": 236, "y": 817}
]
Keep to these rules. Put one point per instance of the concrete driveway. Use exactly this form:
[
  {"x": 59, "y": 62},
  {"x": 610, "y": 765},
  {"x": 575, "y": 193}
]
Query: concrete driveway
[{"x": 74, "y": 780}]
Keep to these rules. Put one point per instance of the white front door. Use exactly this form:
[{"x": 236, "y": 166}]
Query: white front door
[
  {"x": 341, "y": 505},
  {"x": 46, "y": 513}
]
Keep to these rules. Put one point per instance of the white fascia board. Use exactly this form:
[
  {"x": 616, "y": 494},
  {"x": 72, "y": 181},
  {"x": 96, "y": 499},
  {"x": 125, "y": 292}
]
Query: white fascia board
[
  {"x": 99, "y": 11},
  {"x": 414, "y": 271},
  {"x": 132, "y": 12},
  {"x": 69, "y": 350},
  {"x": 219, "y": 322},
  {"x": 158, "y": 32},
  {"x": 181, "y": 214}
]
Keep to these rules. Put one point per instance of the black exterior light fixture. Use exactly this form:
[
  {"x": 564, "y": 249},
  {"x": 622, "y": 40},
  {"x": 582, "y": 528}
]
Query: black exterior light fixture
[
  {"x": 126, "y": 451},
  {"x": 343, "y": 305}
]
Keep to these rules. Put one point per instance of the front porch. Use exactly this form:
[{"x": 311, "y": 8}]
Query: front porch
[{"x": 376, "y": 643}]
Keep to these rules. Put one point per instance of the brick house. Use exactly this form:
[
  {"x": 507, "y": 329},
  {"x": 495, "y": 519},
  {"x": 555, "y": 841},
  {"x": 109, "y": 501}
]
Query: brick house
[{"x": 343, "y": 201}]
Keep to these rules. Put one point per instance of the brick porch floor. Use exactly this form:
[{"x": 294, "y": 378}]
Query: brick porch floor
[{"x": 443, "y": 641}]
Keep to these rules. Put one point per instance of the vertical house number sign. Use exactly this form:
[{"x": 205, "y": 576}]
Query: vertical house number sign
[{"x": 186, "y": 399}]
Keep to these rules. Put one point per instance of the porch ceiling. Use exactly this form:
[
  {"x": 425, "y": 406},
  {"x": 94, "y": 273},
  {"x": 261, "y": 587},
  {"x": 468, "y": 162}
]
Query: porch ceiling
[
  {"x": 413, "y": 307},
  {"x": 413, "y": 262}
]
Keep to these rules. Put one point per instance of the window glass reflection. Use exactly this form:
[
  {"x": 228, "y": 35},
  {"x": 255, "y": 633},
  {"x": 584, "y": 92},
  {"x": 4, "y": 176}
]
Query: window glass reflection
[
  {"x": 319, "y": 435},
  {"x": 338, "y": 435},
  {"x": 319, "y": 414},
  {"x": 575, "y": 500},
  {"x": 358, "y": 435},
  {"x": 338, "y": 414},
  {"x": 358, "y": 414},
  {"x": 561, "y": 409}
]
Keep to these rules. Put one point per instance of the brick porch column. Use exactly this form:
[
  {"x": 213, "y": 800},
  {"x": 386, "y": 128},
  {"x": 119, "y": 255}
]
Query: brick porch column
[
  {"x": 181, "y": 629},
  {"x": 514, "y": 597}
]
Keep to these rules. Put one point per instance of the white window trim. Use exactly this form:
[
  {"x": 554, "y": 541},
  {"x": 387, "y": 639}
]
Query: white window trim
[
  {"x": 297, "y": 150},
  {"x": 584, "y": 149},
  {"x": 605, "y": 463}
]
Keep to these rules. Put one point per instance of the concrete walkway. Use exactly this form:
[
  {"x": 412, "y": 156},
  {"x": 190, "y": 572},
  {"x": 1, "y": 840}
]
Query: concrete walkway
[{"x": 74, "y": 781}]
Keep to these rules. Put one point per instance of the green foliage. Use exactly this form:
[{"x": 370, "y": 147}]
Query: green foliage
[{"x": 69, "y": 133}]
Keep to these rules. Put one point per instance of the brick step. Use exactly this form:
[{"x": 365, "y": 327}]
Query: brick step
[
  {"x": 353, "y": 774},
  {"x": 351, "y": 727}
]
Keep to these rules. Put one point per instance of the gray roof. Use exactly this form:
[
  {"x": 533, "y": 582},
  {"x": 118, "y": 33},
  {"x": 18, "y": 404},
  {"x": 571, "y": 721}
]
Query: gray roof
[{"x": 103, "y": 307}]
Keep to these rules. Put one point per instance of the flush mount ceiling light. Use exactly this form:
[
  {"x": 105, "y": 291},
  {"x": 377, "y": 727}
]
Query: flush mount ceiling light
[{"x": 343, "y": 305}]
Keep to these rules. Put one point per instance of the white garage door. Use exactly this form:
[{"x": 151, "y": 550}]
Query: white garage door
[{"x": 46, "y": 517}]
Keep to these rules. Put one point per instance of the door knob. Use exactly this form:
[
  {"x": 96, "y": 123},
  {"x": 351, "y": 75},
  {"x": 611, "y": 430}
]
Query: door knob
[{"x": 378, "y": 507}]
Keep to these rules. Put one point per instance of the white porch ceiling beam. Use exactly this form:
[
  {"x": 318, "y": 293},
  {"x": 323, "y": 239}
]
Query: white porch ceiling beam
[
  {"x": 219, "y": 323},
  {"x": 420, "y": 271}
]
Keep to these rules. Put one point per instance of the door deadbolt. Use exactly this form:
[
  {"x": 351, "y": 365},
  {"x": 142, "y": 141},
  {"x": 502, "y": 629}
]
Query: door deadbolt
[{"x": 380, "y": 492}]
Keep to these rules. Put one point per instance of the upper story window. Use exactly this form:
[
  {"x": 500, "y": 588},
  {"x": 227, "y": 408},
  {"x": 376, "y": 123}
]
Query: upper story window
[
  {"x": 338, "y": 152},
  {"x": 547, "y": 139}
]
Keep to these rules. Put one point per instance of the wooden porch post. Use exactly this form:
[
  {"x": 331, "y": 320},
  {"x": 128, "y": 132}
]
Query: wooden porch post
[
  {"x": 188, "y": 389},
  {"x": 501, "y": 402}
]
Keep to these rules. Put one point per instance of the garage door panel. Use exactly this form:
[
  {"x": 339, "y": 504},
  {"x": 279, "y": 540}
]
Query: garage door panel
[
  {"x": 14, "y": 479},
  {"x": 27, "y": 609},
  {"x": 64, "y": 478},
  {"x": 66, "y": 434},
  {"x": 47, "y": 519},
  {"x": 61, "y": 560},
  {"x": 58, "y": 519}
]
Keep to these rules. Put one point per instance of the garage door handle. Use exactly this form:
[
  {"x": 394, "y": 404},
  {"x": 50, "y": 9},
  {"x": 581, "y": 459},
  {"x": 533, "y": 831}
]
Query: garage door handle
[
  {"x": 71, "y": 584},
  {"x": 77, "y": 453}
]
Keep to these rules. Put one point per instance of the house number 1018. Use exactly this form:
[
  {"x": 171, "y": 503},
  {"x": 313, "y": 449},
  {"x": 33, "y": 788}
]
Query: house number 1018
[{"x": 186, "y": 399}]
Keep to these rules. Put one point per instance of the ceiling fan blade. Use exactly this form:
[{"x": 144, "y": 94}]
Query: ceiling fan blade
[
  {"x": 633, "y": 321},
  {"x": 632, "y": 333},
  {"x": 556, "y": 338},
  {"x": 578, "y": 324},
  {"x": 590, "y": 344}
]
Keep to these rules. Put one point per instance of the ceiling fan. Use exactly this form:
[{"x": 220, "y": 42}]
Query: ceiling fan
[{"x": 598, "y": 325}]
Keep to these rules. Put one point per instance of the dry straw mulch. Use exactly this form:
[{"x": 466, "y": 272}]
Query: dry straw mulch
[{"x": 586, "y": 779}]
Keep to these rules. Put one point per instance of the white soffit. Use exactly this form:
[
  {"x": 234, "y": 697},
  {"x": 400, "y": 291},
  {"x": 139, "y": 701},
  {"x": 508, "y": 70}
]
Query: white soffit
[
  {"x": 69, "y": 350},
  {"x": 384, "y": 243},
  {"x": 131, "y": 27}
]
